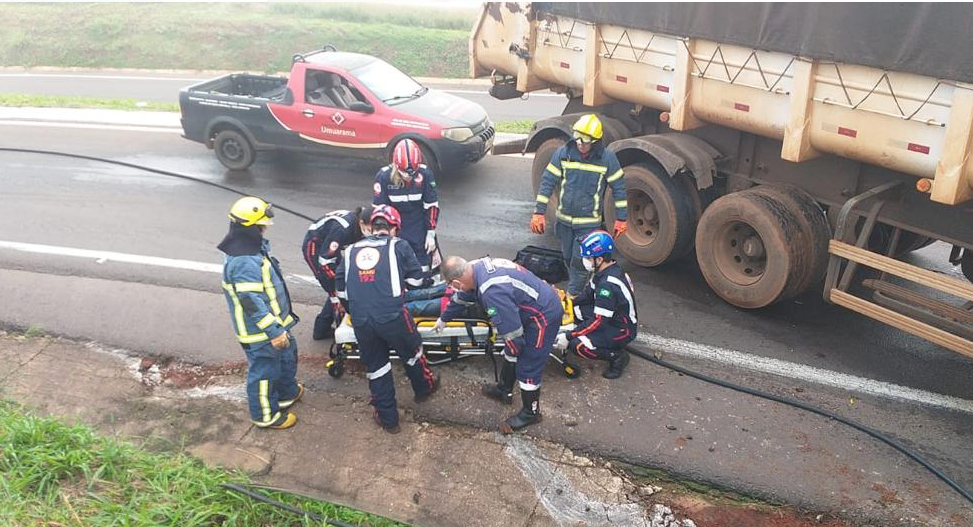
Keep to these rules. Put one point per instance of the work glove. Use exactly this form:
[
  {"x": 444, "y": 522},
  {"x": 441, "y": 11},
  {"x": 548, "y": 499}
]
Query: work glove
[
  {"x": 430, "y": 241},
  {"x": 439, "y": 326},
  {"x": 561, "y": 342},
  {"x": 280, "y": 341},
  {"x": 537, "y": 223},
  {"x": 620, "y": 227}
]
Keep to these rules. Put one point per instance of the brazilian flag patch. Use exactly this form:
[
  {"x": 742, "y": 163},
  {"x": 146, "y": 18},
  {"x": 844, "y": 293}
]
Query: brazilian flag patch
[
  {"x": 491, "y": 311},
  {"x": 605, "y": 293}
]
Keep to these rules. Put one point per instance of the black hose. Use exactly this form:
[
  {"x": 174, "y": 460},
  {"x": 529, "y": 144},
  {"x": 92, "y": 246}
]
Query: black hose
[
  {"x": 813, "y": 409},
  {"x": 791, "y": 402},
  {"x": 148, "y": 169},
  {"x": 283, "y": 506}
]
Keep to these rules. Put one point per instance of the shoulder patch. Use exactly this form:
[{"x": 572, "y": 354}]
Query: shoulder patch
[
  {"x": 377, "y": 188},
  {"x": 604, "y": 292},
  {"x": 491, "y": 311}
]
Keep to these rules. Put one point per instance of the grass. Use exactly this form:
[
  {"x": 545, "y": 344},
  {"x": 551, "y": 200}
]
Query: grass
[
  {"x": 56, "y": 474},
  {"x": 423, "y": 41},
  {"x": 49, "y": 101},
  {"x": 521, "y": 126}
]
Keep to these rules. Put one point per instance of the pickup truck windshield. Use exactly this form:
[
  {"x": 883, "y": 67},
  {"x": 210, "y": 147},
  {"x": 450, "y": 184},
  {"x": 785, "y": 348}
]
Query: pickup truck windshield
[{"x": 387, "y": 82}]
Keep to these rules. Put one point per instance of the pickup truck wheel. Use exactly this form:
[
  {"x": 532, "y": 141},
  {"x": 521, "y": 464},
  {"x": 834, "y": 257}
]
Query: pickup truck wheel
[
  {"x": 234, "y": 150},
  {"x": 751, "y": 249},
  {"x": 541, "y": 159},
  {"x": 661, "y": 217}
]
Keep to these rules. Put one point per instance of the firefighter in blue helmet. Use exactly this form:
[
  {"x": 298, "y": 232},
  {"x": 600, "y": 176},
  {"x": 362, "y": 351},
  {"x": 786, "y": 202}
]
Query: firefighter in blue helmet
[
  {"x": 606, "y": 308},
  {"x": 584, "y": 168},
  {"x": 526, "y": 312},
  {"x": 322, "y": 247},
  {"x": 260, "y": 310},
  {"x": 410, "y": 186},
  {"x": 371, "y": 280}
]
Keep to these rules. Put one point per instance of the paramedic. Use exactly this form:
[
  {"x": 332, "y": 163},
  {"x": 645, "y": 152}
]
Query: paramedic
[
  {"x": 371, "y": 280},
  {"x": 260, "y": 310},
  {"x": 526, "y": 312},
  {"x": 584, "y": 168},
  {"x": 410, "y": 186},
  {"x": 323, "y": 243},
  {"x": 606, "y": 308}
]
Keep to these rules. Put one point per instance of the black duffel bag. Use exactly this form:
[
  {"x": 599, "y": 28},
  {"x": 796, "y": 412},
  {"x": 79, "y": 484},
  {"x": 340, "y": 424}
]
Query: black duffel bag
[{"x": 547, "y": 264}]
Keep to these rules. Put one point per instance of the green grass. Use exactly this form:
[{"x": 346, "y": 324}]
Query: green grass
[
  {"x": 50, "y": 101},
  {"x": 55, "y": 474},
  {"x": 422, "y": 41},
  {"x": 514, "y": 127}
]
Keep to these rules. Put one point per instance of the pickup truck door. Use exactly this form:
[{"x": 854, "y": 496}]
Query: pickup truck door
[{"x": 322, "y": 116}]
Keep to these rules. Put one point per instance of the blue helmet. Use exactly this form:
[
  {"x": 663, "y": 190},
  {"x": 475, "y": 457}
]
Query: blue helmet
[{"x": 598, "y": 243}]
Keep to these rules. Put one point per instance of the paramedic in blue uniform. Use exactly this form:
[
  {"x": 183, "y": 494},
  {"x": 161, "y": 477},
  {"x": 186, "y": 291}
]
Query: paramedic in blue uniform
[
  {"x": 260, "y": 310},
  {"x": 372, "y": 279},
  {"x": 323, "y": 243},
  {"x": 526, "y": 312},
  {"x": 584, "y": 168},
  {"x": 606, "y": 308},
  {"x": 410, "y": 186}
]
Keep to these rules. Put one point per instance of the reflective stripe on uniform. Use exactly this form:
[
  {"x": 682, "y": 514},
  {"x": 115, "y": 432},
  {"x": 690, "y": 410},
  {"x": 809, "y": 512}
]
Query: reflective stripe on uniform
[
  {"x": 587, "y": 167},
  {"x": 542, "y": 198},
  {"x": 618, "y": 173},
  {"x": 579, "y": 220},
  {"x": 405, "y": 197},
  {"x": 265, "y": 424},
  {"x": 426, "y": 205},
  {"x": 379, "y": 372},
  {"x": 628, "y": 296},
  {"x": 248, "y": 287},
  {"x": 528, "y": 387},
  {"x": 241, "y": 327},
  {"x": 587, "y": 342},
  {"x": 512, "y": 281},
  {"x": 264, "y": 398},
  {"x": 554, "y": 170},
  {"x": 265, "y": 322},
  {"x": 604, "y": 312},
  {"x": 269, "y": 287},
  {"x": 394, "y": 269},
  {"x": 415, "y": 358},
  {"x": 508, "y": 358},
  {"x": 621, "y": 204}
]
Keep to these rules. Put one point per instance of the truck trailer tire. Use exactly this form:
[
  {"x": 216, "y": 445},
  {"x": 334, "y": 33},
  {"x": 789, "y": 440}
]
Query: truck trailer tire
[
  {"x": 816, "y": 229},
  {"x": 661, "y": 217},
  {"x": 751, "y": 249},
  {"x": 541, "y": 158},
  {"x": 234, "y": 150}
]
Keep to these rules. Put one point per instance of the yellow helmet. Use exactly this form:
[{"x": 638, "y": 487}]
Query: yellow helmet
[
  {"x": 251, "y": 210},
  {"x": 589, "y": 125}
]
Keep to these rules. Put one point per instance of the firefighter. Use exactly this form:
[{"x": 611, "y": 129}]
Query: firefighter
[
  {"x": 584, "y": 168},
  {"x": 371, "y": 281},
  {"x": 606, "y": 308},
  {"x": 410, "y": 186},
  {"x": 323, "y": 243},
  {"x": 260, "y": 310},
  {"x": 526, "y": 312}
]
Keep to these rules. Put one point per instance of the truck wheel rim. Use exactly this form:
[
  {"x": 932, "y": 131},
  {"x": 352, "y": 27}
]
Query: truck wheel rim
[
  {"x": 646, "y": 218},
  {"x": 740, "y": 253},
  {"x": 232, "y": 150}
]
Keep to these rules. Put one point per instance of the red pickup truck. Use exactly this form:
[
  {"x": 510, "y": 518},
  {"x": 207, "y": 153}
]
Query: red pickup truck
[{"x": 333, "y": 103}]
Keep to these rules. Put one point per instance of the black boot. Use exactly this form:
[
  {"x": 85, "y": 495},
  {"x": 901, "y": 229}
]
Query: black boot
[
  {"x": 616, "y": 364},
  {"x": 528, "y": 415},
  {"x": 322, "y": 328},
  {"x": 504, "y": 390}
]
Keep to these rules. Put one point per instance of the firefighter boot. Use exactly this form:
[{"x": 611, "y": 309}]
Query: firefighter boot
[
  {"x": 504, "y": 390},
  {"x": 616, "y": 364},
  {"x": 530, "y": 414}
]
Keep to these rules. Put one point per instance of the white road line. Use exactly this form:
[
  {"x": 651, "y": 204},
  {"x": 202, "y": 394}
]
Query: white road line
[
  {"x": 91, "y": 126},
  {"x": 803, "y": 372},
  {"x": 668, "y": 345}
]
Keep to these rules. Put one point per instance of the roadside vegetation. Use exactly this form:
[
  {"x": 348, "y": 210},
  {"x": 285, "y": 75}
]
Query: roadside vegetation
[
  {"x": 54, "y": 474},
  {"x": 420, "y": 40}
]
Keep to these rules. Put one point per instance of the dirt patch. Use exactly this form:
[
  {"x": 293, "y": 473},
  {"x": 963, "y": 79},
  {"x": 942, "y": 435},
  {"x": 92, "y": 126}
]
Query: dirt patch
[{"x": 708, "y": 515}]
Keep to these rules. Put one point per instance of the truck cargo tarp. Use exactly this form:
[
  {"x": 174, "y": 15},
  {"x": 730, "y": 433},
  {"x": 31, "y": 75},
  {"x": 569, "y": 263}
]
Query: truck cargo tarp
[{"x": 934, "y": 39}]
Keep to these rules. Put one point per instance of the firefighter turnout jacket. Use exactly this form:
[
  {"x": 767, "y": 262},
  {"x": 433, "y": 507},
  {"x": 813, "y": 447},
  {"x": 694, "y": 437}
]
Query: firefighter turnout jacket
[
  {"x": 583, "y": 182},
  {"x": 373, "y": 276},
  {"x": 416, "y": 200},
  {"x": 257, "y": 296}
]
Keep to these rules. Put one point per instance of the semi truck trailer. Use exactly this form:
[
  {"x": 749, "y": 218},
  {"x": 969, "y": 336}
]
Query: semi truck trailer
[{"x": 787, "y": 146}]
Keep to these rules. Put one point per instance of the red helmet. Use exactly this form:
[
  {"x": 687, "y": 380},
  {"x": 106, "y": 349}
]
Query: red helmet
[
  {"x": 406, "y": 156},
  {"x": 388, "y": 213}
]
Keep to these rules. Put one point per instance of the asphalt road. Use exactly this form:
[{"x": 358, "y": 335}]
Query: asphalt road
[
  {"x": 764, "y": 448},
  {"x": 160, "y": 87}
]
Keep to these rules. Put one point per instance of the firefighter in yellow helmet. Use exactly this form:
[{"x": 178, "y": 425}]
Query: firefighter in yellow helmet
[
  {"x": 260, "y": 311},
  {"x": 584, "y": 168}
]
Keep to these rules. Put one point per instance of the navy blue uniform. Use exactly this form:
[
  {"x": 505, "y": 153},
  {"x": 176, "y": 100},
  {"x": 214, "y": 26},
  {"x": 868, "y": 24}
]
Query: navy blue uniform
[
  {"x": 525, "y": 310},
  {"x": 583, "y": 182},
  {"x": 373, "y": 276},
  {"x": 608, "y": 315},
  {"x": 418, "y": 204},
  {"x": 322, "y": 248},
  {"x": 260, "y": 310}
]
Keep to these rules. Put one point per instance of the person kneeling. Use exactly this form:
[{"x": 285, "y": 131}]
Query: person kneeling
[{"x": 606, "y": 308}]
